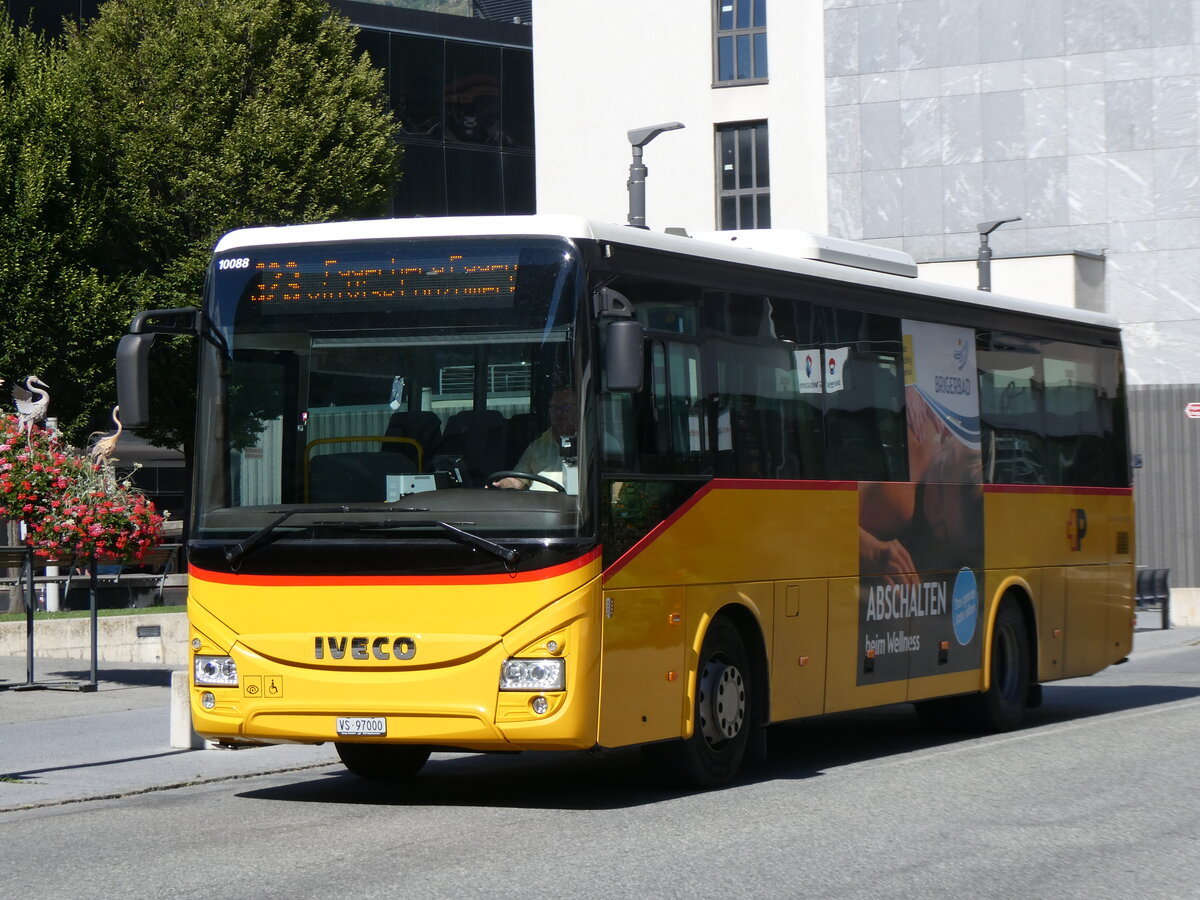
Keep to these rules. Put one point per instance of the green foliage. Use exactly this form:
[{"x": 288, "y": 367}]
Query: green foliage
[
  {"x": 60, "y": 317},
  {"x": 83, "y": 613},
  {"x": 208, "y": 115},
  {"x": 127, "y": 149}
]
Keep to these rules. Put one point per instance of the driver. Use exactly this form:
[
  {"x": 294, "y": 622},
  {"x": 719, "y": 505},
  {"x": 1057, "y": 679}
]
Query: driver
[{"x": 544, "y": 451}]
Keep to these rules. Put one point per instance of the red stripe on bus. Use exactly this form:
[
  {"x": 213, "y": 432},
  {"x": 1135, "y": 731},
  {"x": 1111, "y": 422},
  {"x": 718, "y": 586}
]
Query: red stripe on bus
[
  {"x": 1056, "y": 489},
  {"x": 407, "y": 580},
  {"x": 736, "y": 484}
]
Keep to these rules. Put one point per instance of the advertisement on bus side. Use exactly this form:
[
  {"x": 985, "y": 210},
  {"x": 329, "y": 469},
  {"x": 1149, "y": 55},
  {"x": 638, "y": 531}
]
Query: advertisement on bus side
[{"x": 921, "y": 541}]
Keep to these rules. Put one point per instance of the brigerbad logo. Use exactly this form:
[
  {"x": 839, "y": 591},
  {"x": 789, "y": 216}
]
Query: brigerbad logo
[{"x": 960, "y": 353}]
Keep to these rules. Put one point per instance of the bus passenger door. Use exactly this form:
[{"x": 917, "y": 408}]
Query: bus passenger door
[
  {"x": 798, "y": 657},
  {"x": 643, "y": 675}
]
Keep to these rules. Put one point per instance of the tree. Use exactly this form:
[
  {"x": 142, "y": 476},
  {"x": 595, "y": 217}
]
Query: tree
[
  {"x": 59, "y": 317},
  {"x": 197, "y": 116}
]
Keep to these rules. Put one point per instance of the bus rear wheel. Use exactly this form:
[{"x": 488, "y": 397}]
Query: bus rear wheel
[
  {"x": 382, "y": 762},
  {"x": 722, "y": 713},
  {"x": 1002, "y": 706}
]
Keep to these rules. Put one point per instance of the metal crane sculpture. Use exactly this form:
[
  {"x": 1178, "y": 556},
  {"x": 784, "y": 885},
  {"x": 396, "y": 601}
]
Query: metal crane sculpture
[
  {"x": 32, "y": 402},
  {"x": 102, "y": 450}
]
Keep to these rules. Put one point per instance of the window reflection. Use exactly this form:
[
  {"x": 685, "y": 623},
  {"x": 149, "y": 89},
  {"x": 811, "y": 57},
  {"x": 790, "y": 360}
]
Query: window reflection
[
  {"x": 459, "y": 105},
  {"x": 418, "y": 82},
  {"x": 473, "y": 94}
]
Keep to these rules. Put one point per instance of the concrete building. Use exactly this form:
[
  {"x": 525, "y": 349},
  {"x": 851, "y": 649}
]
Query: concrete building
[
  {"x": 47, "y": 15},
  {"x": 458, "y": 74},
  {"x": 461, "y": 84},
  {"x": 907, "y": 124}
]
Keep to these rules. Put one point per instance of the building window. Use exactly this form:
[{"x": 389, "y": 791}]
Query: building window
[
  {"x": 743, "y": 176},
  {"x": 740, "y": 41},
  {"x": 466, "y": 123}
]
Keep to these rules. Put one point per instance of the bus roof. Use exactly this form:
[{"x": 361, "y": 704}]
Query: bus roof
[{"x": 839, "y": 265}]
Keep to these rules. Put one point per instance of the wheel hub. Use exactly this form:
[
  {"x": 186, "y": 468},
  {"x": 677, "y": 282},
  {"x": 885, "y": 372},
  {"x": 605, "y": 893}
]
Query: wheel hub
[{"x": 722, "y": 703}]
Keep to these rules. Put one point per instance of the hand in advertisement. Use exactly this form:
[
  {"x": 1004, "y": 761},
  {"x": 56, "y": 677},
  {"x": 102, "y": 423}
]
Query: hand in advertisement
[
  {"x": 927, "y": 435},
  {"x": 887, "y": 558}
]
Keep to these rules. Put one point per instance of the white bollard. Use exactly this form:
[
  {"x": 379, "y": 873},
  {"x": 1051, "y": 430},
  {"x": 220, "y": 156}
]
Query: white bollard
[
  {"x": 183, "y": 736},
  {"x": 52, "y": 590}
]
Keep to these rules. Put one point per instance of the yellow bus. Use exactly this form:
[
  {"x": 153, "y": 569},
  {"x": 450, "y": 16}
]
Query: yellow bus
[{"x": 541, "y": 483}]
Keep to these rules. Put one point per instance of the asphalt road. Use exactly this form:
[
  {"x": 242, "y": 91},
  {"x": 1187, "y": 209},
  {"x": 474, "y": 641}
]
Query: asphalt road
[{"x": 1094, "y": 798}]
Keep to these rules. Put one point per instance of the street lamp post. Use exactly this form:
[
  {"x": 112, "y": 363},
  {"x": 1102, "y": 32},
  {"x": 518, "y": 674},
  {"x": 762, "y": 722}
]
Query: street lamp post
[
  {"x": 984, "y": 263},
  {"x": 639, "y": 138}
]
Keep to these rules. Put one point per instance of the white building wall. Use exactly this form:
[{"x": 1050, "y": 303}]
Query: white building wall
[
  {"x": 603, "y": 67},
  {"x": 1052, "y": 279}
]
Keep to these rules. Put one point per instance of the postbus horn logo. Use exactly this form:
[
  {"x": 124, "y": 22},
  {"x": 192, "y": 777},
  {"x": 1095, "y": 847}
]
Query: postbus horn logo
[{"x": 1076, "y": 528}]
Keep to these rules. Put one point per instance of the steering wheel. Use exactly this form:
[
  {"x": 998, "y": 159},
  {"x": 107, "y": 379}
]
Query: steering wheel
[{"x": 528, "y": 476}]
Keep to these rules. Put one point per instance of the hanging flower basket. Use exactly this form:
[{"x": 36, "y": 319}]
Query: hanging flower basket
[{"x": 71, "y": 506}]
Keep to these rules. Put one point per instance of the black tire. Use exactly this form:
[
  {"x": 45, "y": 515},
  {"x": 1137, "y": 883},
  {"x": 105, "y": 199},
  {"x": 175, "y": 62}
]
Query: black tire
[
  {"x": 1002, "y": 706},
  {"x": 382, "y": 762},
  {"x": 723, "y": 715}
]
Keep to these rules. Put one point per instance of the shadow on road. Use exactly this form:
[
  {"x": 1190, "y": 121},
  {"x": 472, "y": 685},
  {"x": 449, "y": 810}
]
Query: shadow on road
[
  {"x": 626, "y": 778},
  {"x": 128, "y": 677}
]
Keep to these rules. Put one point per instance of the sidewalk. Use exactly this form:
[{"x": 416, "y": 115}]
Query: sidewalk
[{"x": 61, "y": 745}]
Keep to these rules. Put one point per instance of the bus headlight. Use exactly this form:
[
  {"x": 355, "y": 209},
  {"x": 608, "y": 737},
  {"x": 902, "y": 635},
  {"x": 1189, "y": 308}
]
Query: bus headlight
[
  {"x": 219, "y": 670},
  {"x": 533, "y": 675}
]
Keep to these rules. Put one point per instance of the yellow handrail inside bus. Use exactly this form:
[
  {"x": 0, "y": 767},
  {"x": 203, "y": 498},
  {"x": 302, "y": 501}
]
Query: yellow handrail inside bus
[{"x": 358, "y": 438}]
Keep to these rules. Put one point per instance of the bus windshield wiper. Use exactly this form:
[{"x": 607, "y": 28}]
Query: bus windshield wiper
[
  {"x": 507, "y": 554},
  {"x": 238, "y": 551}
]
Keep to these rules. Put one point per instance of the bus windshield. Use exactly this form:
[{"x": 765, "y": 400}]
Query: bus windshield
[{"x": 393, "y": 388}]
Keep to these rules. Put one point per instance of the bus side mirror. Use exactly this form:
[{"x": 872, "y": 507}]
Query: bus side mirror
[
  {"x": 624, "y": 355},
  {"x": 133, "y": 386}
]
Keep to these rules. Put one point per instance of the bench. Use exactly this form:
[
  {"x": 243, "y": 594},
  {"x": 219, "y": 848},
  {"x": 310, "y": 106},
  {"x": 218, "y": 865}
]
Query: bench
[
  {"x": 152, "y": 572},
  {"x": 1153, "y": 591}
]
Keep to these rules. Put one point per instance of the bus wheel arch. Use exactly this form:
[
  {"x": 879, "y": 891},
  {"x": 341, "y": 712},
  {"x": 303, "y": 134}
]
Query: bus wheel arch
[
  {"x": 1019, "y": 594},
  {"x": 1011, "y": 667},
  {"x": 727, "y": 704},
  {"x": 756, "y": 649}
]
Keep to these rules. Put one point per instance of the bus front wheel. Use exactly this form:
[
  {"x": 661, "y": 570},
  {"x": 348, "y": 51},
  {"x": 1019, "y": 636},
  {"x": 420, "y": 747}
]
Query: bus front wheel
[
  {"x": 722, "y": 712},
  {"x": 382, "y": 762}
]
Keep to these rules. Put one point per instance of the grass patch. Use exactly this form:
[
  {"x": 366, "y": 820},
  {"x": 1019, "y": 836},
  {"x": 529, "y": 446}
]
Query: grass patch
[{"x": 83, "y": 613}]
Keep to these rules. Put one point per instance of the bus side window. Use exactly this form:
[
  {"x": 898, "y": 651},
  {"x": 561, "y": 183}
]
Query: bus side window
[
  {"x": 865, "y": 433},
  {"x": 754, "y": 402},
  {"x": 754, "y": 406},
  {"x": 681, "y": 426},
  {"x": 1082, "y": 387},
  {"x": 1010, "y": 409}
]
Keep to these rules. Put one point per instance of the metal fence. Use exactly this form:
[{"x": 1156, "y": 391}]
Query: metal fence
[{"x": 1167, "y": 485}]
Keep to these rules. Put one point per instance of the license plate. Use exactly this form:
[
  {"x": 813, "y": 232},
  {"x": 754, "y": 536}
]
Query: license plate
[{"x": 360, "y": 725}]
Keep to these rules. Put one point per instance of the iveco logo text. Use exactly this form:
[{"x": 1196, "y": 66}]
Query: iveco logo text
[{"x": 366, "y": 647}]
